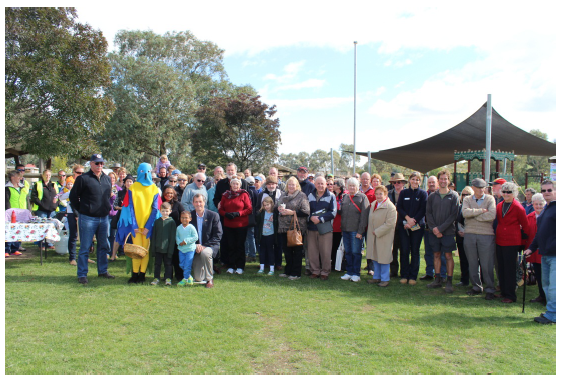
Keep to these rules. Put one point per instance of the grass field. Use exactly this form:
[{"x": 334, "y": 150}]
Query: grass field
[{"x": 254, "y": 324}]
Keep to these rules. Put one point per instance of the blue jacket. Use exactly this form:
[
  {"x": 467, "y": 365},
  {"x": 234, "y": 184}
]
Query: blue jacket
[
  {"x": 412, "y": 203},
  {"x": 307, "y": 187},
  {"x": 545, "y": 239},
  {"x": 327, "y": 202}
]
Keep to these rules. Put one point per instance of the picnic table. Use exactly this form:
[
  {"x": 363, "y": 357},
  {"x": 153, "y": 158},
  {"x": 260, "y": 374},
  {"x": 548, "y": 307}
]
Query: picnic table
[{"x": 33, "y": 232}]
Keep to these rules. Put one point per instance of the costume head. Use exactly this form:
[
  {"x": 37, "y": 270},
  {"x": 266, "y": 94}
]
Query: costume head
[{"x": 144, "y": 174}]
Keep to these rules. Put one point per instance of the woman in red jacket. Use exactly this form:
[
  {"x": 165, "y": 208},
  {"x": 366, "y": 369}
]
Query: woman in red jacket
[
  {"x": 235, "y": 207},
  {"x": 538, "y": 203},
  {"x": 511, "y": 219}
]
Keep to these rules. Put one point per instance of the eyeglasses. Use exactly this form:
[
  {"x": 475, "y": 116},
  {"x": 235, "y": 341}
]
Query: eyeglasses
[
  {"x": 329, "y": 184},
  {"x": 507, "y": 192},
  {"x": 20, "y": 170},
  {"x": 549, "y": 190},
  {"x": 99, "y": 163},
  {"x": 62, "y": 176}
]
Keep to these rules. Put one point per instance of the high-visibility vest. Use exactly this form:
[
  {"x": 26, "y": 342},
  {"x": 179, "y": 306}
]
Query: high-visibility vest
[
  {"x": 18, "y": 199},
  {"x": 39, "y": 185}
]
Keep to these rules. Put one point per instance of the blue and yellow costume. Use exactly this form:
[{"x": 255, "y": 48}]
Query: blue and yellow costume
[{"x": 141, "y": 208}]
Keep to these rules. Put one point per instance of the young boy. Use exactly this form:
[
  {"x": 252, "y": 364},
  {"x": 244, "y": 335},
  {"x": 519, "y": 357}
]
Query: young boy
[
  {"x": 186, "y": 236},
  {"x": 162, "y": 243}
]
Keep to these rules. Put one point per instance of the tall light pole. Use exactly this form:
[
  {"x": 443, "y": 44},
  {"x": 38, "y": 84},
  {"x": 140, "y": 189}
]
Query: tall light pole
[
  {"x": 354, "y": 101},
  {"x": 488, "y": 138}
]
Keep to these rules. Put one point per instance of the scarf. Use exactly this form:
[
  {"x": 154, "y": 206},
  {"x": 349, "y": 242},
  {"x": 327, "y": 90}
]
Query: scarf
[
  {"x": 377, "y": 204},
  {"x": 231, "y": 194}
]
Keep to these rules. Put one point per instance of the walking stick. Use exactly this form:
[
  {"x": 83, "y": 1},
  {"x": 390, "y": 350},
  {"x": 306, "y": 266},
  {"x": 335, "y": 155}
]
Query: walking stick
[{"x": 524, "y": 280}]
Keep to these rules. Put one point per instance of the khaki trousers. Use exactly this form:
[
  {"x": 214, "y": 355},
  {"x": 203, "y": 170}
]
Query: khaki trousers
[
  {"x": 320, "y": 252},
  {"x": 202, "y": 267}
]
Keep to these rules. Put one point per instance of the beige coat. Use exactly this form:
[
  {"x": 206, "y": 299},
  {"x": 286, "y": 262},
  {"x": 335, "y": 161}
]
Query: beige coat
[{"x": 383, "y": 222}]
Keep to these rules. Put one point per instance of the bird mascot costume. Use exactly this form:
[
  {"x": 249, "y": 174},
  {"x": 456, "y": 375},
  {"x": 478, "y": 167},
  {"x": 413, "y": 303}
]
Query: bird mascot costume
[{"x": 141, "y": 207}]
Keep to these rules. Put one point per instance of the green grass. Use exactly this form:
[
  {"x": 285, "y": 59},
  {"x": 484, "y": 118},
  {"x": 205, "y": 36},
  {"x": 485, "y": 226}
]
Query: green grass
[{"x": 254, "y": 324}]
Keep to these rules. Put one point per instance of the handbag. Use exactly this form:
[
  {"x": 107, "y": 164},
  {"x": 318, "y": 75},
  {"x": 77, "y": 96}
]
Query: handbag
[
  {"x": 294, "y": 237},
  {"x": 324, "y": 227},
  {"x": 339, "y": 257}
]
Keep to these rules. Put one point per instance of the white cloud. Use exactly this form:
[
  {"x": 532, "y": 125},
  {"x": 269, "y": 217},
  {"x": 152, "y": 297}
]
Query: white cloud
[
  {"x": 291, "y": 70},
  {"x": 311, "y": 103},
  {"x": 310, "y": 83}
]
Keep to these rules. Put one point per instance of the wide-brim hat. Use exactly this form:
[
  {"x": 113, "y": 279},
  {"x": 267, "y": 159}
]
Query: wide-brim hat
[{"x": 398, "y": 177}]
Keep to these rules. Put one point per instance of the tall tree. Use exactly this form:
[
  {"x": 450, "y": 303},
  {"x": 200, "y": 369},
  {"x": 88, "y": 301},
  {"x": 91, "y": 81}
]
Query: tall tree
[
  {"x": 56, "y": 71},
  {"x": 238, "y": 128},
  {"x": 158, "y": 82}
]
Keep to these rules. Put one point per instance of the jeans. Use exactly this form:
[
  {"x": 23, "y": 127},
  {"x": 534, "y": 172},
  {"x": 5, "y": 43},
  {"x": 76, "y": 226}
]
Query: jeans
[
  {"x": 549, "y": 285},
  {"x": 250, "y": 244},
  {"x": 410, "y": 242},
  {"x": 428, "y": 257},
  {"x": 353, "y": 255},
  {"x": 44, "y": 214},
  {"x": 267, "y": 256},
  {"x": 72, "y": 235},
  {"x": 11, "y": 247},
  {"x": 111, "y": 235},
  {"x": 90, "y": 226},
  {"x": 158, "y": 258},
  {"x": 382, "y": 271},
  {"x": 186, "y": 260}
]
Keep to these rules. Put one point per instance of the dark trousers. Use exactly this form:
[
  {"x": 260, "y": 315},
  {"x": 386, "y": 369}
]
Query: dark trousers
[
  {"x": 278, "y": 252},
  {"x": 538, "y": 274},
  {"x": 410, "y": 242},
  {"x": 72, "y": 235},
  {"x": 465, "y": 274},
  {"x": 395, "y": 247},
  {"x": 507, "y": 269},
  {"x": 235, "y": 239},
  {"x": 223, "y": 256},
  {"x": 178, "y": 271},
  {"x": 158, "y": 257},
  {"x": 267, "y": 250},
  {"x": 335, "y": 245},
  {"x": 293, "y": 257}
]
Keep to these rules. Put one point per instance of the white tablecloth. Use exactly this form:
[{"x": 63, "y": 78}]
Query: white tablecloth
[{"x": 31, "y": 232}]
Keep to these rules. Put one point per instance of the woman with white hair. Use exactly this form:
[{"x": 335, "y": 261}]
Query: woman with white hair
[
  {"x": 354, "y": 217},
  {"x": 538, "y": 202},
  {"x": 235, "y": 207},
  {"x": 511, "y": 219}
]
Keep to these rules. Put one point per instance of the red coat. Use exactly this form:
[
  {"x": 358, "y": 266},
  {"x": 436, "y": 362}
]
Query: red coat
[
  {"x": 240, "y": 204},
  {"x": 370, "y": 194},
  {"x": 509, "y": 227},
  {"x": 535, "y": 257}
]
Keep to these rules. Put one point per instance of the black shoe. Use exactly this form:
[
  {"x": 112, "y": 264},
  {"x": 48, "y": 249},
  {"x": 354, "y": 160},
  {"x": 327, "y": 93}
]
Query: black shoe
[
  {"x": 106, "y": 275},
  {"x": 426, "y": 277},
  {"x": 473, "y": 292},
  {"x": 543, "y": 320},
  {"x": 538, "y": 299},
  {"x": 83, "y": 280},
  {"x": 307, "y": 272},
  {"x": 134, "y": 278},
  {"x": 490, "y": 296},
  {"x": 142, "y": 279}
]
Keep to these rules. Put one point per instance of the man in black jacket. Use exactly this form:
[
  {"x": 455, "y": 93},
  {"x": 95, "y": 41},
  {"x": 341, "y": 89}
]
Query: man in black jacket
[
  {"x": 224, "y": 184},
  {"x": 90, "y": 201}
]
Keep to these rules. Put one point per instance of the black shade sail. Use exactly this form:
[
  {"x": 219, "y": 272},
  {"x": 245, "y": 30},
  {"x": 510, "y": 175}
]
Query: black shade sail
[{"x": 439, "y": 150}]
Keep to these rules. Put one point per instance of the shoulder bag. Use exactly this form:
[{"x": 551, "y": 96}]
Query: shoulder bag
[{"x": 294, "y": 236}]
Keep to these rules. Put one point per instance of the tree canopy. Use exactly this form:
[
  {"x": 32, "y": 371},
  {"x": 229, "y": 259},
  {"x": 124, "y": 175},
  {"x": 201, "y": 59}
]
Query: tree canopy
[{"x": 55, "y": 76}]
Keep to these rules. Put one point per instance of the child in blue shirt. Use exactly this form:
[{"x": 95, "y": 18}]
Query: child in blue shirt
[
  {"x": 186, "y": 236},
  {"x": 266, "y": 233}
]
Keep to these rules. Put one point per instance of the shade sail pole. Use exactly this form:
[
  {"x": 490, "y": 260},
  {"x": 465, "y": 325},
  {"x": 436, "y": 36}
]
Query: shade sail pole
[
  {"x": 354, "y": 100},
  {"x": 488, "y": 137}
]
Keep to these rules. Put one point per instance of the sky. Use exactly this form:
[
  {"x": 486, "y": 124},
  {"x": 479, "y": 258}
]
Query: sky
[{"x": 422, "y": 67}]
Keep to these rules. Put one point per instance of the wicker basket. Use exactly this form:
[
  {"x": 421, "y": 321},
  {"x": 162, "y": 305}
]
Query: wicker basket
[{"x": 135, "y": 251}]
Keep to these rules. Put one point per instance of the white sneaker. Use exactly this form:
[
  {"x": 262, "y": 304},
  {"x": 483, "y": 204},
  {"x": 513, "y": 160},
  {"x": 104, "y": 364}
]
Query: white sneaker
[
  {"x": 346, "y": 277},
  {"x": 355, "y": 278},
  {"x": 230, "y": 271},
  {"x": 293, "y": 278},
  {"x": 239, "y": 271}
]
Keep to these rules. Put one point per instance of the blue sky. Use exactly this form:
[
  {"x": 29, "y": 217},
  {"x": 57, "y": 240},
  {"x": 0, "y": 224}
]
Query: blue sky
[{"x": 421, "y": 67}]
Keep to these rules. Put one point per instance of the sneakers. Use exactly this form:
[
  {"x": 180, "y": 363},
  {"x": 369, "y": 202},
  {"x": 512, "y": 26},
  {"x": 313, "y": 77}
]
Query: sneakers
[
  {"x": 17, "y": 253},
  {"x": 371, "y": 272},
  {"x": 230, "y": 271},
  {"x": 83, "y": 280},
  {"x": 155, "y": 282},
  {"x": 168, "y": 282},
  {"x": 190, "y": 281},
  {"x": 7, "y": 254},
  {"x": 182, "y": 283},
  {"x": 355, "y": 278},
  {"x": 543, "y": 320},
  {"x": 106, "y": 275},
  {"x": 283, "y": 275},
  {"x": 260, "y": 271},
  {"x": 271, "y": 272},
  {"x": 293, "y": 278},
  {"x": 346, "y": 277},
  {"x": 239, "y": 271}
]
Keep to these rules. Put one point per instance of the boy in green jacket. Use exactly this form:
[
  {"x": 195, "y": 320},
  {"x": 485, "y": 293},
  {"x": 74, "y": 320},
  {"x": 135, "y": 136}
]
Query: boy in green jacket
[{"x": 162, "y": 243}]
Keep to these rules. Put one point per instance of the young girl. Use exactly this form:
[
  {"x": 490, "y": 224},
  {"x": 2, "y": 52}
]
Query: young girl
[
  {"x": 186, "y": 236},
  {"x": 266, "y": 233},
  {"x": 162, "y": 162}
]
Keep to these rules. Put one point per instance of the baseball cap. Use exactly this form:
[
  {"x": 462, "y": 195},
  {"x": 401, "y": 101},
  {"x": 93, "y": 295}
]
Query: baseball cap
[
  {"x": 303, "y": 168},
  {"x": 250, "y": 180},
  {"x": 201, "y": 165},
  {"x": 97, "y": 158},
  {"x": 499, "y": 181},
  {"x": 258, "y": 178}
]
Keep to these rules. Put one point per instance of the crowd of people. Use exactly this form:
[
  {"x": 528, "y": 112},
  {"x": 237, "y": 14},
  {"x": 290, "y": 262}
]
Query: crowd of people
[{"x": 200, "y": 226}]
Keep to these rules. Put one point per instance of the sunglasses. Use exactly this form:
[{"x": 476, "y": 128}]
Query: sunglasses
[
  {"x": 79, "y": 172},
  {"x": 172, "y": 181},
  {"x": 201, "y": 168},
  {"x": 465, "y": 194},
  {"x": 98, "y": 163},
  {"x": 549, "y": 190},
  {"x": 507, "y": 192},
  {"x": 200, "y": 181},
  {"x": 330, "y": 184},
  {"x": 20, "y": 170},
  {"x": 182, "y": 180},
  {"x": 62, "y": 176}
]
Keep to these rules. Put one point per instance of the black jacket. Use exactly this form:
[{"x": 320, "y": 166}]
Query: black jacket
[
  {"x": 223, "y": 185},
  {"x": 49, "y": 193},
  {"x": 211, "y": 230},
  {"x": 90, "y": 195}
]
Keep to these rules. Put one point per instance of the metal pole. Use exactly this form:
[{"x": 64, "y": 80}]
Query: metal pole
[
  {"x": 369, "y": 161},
  {"x": 488, "y": 136},
  {"x": 354, "y": 101},
  {"x": 332, "y": 156}
]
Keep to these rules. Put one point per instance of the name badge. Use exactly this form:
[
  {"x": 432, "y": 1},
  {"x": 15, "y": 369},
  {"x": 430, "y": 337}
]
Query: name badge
[{"x": 406, "y": 198}]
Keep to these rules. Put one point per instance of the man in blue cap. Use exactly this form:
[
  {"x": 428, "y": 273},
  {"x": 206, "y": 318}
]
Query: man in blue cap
[{"x": 89, "y": 198}]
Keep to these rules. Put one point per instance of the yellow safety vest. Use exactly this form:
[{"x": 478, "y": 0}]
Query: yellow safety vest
[
  {"x": 18, "y": 199},
  {"x": 40, "y": 193}
]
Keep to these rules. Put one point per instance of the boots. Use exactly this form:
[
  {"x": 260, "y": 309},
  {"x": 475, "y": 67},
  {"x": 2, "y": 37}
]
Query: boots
[
  {"x": 141, "y": 277},
  {"x": 436, "y": 283},
  {"x": 134, "y": 278},
  {"x": 449, "y": 286}
]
